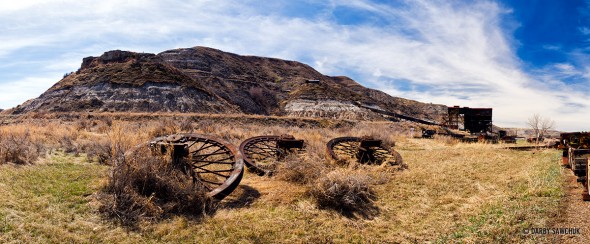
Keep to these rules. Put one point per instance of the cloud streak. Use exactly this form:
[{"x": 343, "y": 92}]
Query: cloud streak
[{"x": 431, "y": 51}]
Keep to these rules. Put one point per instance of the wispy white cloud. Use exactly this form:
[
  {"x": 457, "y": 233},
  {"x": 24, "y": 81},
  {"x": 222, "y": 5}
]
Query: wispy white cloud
[
  {"x": 14, "y": 92},
  {"x": 454, "y": 53},
  {"x": 552, "y": 47}
]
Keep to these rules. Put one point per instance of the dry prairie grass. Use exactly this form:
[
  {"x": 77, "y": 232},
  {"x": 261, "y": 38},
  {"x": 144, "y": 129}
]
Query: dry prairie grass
[{"x": 452, "y": 192}]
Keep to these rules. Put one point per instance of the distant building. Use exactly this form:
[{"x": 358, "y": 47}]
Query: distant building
[
  {"x": 312, "y": 81},
  {"x": 474, "y": 120}
]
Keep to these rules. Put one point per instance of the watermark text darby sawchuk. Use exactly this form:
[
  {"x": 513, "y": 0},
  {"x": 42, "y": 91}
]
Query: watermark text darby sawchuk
[{"x": 551, "y": 231}]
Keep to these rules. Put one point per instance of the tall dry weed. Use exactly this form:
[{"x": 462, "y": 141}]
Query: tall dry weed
[{"x": 123, "y": 137}]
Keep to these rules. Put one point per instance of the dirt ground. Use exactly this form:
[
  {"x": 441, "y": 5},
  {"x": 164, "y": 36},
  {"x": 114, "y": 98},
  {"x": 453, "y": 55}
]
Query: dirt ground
[{"x": 575, "y": 213}]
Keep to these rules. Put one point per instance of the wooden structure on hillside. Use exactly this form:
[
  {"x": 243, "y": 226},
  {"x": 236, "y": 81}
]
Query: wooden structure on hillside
[{"x": 473, "y": 120}]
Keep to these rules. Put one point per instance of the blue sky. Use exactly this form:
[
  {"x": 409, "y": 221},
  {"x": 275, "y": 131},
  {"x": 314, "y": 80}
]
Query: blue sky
[{"x": 518, "y": 57}]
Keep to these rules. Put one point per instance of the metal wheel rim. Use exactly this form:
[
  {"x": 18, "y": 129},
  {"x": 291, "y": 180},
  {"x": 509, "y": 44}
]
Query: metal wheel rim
[
  {"x": 350, "y": 150},
  {"x": 349, "y": 146},
  {"x": 252, "y": 153},
  {"x": 206, "y": 165}
]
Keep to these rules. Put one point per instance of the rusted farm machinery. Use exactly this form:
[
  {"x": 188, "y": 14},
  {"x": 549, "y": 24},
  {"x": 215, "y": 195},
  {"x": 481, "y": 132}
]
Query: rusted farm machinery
[
  {"x": 576, "y": 151},
  {"x": 263, "y": 153},
  {"x": 428, "y": 133},
  {"x": 365, "y": 150},
  {"x": 213, "y": 162},
  {"x": 462, "y": 123},
  {"x": 219, "y": 166}
]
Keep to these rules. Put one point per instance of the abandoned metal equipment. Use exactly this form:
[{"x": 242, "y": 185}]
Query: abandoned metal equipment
[
  {"x": 474, "y": 120},
  {"x": 262, "y": 153},
  {"x": 214, "y": 162},
  {"x": 365, "y": 150},
  {"x": 575, "y": 148}
]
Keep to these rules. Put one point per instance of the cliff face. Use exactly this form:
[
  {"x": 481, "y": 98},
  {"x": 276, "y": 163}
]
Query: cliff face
[
  {"x": 207, "y": 80},
  {"x": 127, "y": 81}
]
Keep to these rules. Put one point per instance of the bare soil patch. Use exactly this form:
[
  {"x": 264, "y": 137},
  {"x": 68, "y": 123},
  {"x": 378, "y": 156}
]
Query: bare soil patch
[{"x": 574, "y": 212}]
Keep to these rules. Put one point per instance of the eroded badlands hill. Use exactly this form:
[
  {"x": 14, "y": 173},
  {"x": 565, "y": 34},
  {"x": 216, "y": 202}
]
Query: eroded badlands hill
[{"x": 206, "y": 80}]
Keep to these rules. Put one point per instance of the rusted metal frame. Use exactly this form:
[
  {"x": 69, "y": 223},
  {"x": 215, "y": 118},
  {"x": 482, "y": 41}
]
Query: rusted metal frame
[
  {"x": 339, "y": 141},
  {"x": 267, "y": 147},
  {"x": 248, "y": 146},
  {"x": 231, "y": 181},
  {"x": 364, "y": 150}
]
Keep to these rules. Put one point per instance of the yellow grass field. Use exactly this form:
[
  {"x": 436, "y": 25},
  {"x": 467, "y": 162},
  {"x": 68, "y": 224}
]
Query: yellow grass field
[{"x": 451, "y": 192}]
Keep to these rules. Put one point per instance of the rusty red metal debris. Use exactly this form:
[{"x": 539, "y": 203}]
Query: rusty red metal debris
[
  {"x": 365, "y": 150},
  {"x": 262, "y": 153},
  {"x": 575, "y": 148},
  {"x": 214, "y": 162}
]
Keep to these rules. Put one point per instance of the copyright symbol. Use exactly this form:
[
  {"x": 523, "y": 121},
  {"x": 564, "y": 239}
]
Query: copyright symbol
[{"x": 525, "y": 231}]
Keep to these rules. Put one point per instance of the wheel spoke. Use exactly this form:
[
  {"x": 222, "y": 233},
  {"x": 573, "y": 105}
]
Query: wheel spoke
[
  {"x": 195, "y": 154},
  {"x": 210, "y": 182},
  {"x": 215, "y": 161},
  {"x": 212, "y": 172},
  {"x": 203, "y": 147}
]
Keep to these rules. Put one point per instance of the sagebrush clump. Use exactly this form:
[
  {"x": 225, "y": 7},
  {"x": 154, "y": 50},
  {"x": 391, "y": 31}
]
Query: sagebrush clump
[
  {"x": 344, "y": 190},
  {"x": 143, "y": 187},
  {"x": 301, "y": 171},
  {"x": 19, "y": 147}
]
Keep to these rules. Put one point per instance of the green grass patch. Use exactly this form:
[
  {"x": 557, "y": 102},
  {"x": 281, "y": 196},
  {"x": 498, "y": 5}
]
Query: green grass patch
[
  {"x": 532, "y": 200},
  {"x": 43, "y": 203},
  {"x": 450, "y": 193}
]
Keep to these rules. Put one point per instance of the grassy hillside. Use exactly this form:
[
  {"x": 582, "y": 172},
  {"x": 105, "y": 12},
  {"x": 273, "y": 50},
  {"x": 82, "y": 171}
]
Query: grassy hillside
[{"x": 451, "y": 191}]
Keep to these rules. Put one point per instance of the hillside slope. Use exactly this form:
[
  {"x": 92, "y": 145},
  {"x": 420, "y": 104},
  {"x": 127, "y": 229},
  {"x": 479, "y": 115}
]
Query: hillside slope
[
  {"x": 207, "y": 80},
  {"x": 127, "y": 81}
]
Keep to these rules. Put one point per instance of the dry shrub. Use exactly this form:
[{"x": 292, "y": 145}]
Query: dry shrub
[
  {"x": 108, "y": 121},
  {"x": 123, "y": 137},
  {"x": 207, "y": 126},
  {"x": 143, "y": 187},
  {"x": 446, "y": 140},
  {"x": 380, "y": 176},
  {"x": 103, "y": 124},
  {"x": 83, "y": 124},
  {"x": 68, "y": 144},
  {"x": 386, "y": 132},
  {"x": 185, "y": 124},
  {"x": 99, "y": 150},
  {"x": 344, "y": 190},
  {"x": 164, "y": 127},
  {"x": 19, "y": 148},
  {"x": 301, "y": 171},
  {"x": 387, "y": 140}
]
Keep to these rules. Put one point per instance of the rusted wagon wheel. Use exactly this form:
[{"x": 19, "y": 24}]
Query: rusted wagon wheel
[
  {"x": 362, "y": 150},
  {"x": 262, "y": 153},
  {"x": 215, "y": 163}
]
